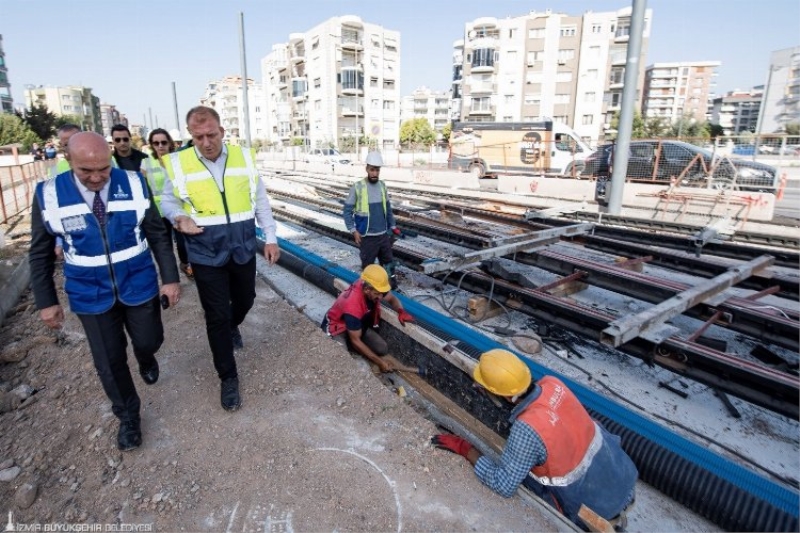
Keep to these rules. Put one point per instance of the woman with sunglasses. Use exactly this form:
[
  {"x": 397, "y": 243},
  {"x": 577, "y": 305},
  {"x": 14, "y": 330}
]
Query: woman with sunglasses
[{"x": 161, "y": 144}]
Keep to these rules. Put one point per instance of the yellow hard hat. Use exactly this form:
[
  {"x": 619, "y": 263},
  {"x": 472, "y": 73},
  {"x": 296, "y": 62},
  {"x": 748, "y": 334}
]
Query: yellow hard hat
[
  {"x": 502, "y": 373},
  {"x": 377, "y": 277}
]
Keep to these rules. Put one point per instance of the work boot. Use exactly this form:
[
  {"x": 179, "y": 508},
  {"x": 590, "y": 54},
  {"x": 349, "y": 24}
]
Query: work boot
[
  {"x": 229, "y": 394},
  {"x": 236, "y": 338},
  {"x": 129, "y": 436},
  {"x": 149, "y": 374}
]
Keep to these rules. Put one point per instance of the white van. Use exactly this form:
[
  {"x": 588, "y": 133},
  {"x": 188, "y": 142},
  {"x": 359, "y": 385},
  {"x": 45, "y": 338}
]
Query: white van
[{"x": 537, "y": 148}]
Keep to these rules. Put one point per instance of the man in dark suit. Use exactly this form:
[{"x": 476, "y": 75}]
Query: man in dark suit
[{"x": 109, "y": 226}]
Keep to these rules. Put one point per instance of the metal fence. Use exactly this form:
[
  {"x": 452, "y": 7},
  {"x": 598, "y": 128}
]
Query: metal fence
[{"x": 17, "y": 185}]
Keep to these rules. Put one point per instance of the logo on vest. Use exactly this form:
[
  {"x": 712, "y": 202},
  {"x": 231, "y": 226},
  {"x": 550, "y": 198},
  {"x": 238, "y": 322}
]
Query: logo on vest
[
  {"x": 76, "y": 223},
  {"x": 120, "y": 194}
]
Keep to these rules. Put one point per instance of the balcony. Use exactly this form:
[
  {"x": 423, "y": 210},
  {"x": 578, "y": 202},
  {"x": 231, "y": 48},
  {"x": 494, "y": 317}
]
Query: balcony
[
  {"x": 352, "y": 81},
  {"x": 352, "y": 40},
  {"x": 351, "y": 110},
  {"x": 482, "y": 88}
]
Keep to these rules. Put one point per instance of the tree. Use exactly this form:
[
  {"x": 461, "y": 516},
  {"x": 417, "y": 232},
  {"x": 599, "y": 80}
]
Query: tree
[
  {"x": 715, "y": 130},
  {"x": 655, "y": 127},
  {"x": 638, "y": 128},
  {"x": 14, "y": 130},
  {"x": 792, "y": 128},
  {"x": 298, "y": 141},
  {"x": 40, "y": 120},
  {"x": 446, "y": 131},
  {"x": 68, "y": 119},
  {"x": 418, "y": 132}
]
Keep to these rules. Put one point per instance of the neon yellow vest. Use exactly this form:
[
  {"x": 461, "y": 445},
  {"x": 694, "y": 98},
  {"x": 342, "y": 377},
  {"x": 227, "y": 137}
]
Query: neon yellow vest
[{"x": 156, "y": 176}]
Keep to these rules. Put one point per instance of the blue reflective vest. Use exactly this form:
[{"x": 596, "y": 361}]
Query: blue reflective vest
[{"x": 101, "y": 265}]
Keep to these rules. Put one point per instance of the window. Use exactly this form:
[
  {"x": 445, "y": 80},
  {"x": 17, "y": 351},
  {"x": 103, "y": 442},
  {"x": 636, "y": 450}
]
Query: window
[
  {"x": 376, "y": 104},
  {"x": 483, "y": 57},
  {"x": 587, "y": 120},
  {"x": 532, "y": 99},
  {"x": 373, "y": 82},
  {"x": 562, "y": 98},
  {"x": 591, "y": 74},
  {"x": 511, "y": 55},
  {"x": 597, "y": 28},
  {"x": 388, "y": 105},
  {"x": 317, "y": 83},
  {"x": 317, "y": 105},
  {"x": 388, "y": 84},
  {"x": 481, "y": 104},
  {"x": 561, "y": 118},
  {"x": 594, "y": 52},
  {"x": 532, "y": 58},
  {"x": 508, "y": 118},
  {"x": 536, "y": 33},
  {"x": 589, "y": 97},
  {"x": 511, "y": 32},
  {"x": 568, "y": 31},
  {"x": 563, "y": 77},
  {"x": 509, "y": 99},
  {"x": 566, "y": 54}
]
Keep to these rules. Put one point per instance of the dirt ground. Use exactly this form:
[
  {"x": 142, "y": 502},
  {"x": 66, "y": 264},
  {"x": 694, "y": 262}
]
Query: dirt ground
[{"x": 320, "y": 443}]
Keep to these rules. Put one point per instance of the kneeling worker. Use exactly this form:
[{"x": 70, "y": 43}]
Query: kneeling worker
[
  {"x": 357, "y": 311},
  {"x": 554, "y": 447}
]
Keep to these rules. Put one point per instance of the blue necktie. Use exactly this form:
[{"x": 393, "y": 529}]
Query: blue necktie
[{"x": 99, "y": 209}]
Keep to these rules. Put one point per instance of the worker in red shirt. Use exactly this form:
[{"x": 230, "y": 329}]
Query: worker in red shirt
[{"x": 356, "y": 314}]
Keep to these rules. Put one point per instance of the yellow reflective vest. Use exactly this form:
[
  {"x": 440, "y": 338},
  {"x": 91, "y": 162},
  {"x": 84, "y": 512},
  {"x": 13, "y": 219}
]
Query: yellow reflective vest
[{"x": 228, "y": 216}]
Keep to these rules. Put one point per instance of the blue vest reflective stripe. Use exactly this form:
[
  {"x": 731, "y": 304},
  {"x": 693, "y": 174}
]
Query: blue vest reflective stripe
[{"x": 101, "y": 267}]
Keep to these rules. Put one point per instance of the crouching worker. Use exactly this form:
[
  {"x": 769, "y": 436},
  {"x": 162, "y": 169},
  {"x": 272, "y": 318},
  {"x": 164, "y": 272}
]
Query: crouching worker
[
  {"x": 357, "y": 312},
  {"x": 554, "y": 447}
]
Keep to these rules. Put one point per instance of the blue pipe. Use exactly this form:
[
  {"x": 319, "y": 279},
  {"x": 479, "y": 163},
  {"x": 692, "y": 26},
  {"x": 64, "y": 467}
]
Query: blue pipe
[{"x": 779, "y": 496}]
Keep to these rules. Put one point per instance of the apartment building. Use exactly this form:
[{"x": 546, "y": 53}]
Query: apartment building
[
  {"x": 336, "y": 81},
  {"x": 676, "y": 90},
  {"x": 434, "y": 106},
  {"x": 76, "y": 101},
  {"x": 109, "y": 117},
  {"x": 781, "y": 103},
  {"x": 545, "y": 64},
  {"x": 6, "y": 101},
  {"x": 227, "y": 97},
  {"x": 737, "y": 111}
]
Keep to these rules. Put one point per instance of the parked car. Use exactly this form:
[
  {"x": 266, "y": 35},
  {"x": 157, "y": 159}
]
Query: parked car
[
  {"x": 327, "y": 156},
  {"x": 677, "y": 156}
]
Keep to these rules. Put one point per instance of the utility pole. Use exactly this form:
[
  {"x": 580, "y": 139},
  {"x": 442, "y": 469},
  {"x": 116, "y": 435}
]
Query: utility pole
[
  {"x": 620, "y": 166},
  {"x": 245, "y": 105},
  {"x": 175, "y": 104},
  {"x": 150, "y": 110},
  {"x": 358, "y": 154}
]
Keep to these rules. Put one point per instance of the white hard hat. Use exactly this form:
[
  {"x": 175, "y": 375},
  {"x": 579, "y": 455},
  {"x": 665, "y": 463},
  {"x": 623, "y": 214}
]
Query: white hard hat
[{"x": 374, "y": 159}]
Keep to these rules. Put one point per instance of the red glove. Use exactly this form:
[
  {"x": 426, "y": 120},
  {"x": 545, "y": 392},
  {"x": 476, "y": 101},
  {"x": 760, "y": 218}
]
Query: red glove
[
  {"x": 398, "y": 233},
  {"x": 452, "y": 443},
  {"x": 404, "y": 316}
]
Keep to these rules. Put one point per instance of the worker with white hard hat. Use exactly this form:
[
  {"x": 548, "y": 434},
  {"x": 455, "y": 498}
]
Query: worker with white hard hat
[
  {"x": 554, "y": 447},
  {"x": 368, "y": 216}
]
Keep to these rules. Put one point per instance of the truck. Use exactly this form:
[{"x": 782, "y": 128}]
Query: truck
[{"x": 541, "y": 147}]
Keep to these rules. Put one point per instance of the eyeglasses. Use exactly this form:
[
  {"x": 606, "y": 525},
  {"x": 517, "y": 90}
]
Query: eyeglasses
[
  {"x": 121, "y": 139},
  {"x": 160, "y": 143}
]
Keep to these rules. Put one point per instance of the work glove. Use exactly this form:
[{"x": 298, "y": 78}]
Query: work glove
[
  {"x": 452, "y": 443},
  {"x": 404, "y": 316},
  {"x": 398, "y": 233}
]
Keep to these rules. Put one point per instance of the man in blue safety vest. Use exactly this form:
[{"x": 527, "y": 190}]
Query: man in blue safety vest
[{"x": 368, "y": 216}]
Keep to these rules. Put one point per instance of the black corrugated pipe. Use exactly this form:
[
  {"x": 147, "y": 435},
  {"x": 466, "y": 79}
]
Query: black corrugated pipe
[
  {"x": 722, "y": 502},
  {"x": 306, "y": 270}
]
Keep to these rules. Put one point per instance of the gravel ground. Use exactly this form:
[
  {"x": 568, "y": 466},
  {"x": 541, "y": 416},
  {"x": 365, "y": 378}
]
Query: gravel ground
[{"x": 320, "y": 443}]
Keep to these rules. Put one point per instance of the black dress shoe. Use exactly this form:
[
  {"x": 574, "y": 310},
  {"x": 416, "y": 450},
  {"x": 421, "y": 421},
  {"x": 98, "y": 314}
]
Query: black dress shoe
[
  {"x": 229, "y": 394},
  {"x": 236, "y": 337},
  {"x": 149, "y": 374},
  {"x": 129, "y": 436}
]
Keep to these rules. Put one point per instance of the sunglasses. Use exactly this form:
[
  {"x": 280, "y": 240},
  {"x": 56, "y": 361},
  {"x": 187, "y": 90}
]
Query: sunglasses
[
  {"x": 121, "y": 139},
  {"x": 160, "y": 143}
]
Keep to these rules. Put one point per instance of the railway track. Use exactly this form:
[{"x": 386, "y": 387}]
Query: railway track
[{"x": 772, "y": 387}]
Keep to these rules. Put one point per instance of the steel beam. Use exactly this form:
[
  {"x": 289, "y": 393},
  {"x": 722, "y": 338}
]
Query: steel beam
[
  {"x": 541, "y": 238},
  {"x": 646, "y": 323}
]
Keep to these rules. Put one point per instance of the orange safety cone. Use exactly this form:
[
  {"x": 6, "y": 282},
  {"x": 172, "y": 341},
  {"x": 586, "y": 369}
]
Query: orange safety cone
[{"x": 781, "y": 187}]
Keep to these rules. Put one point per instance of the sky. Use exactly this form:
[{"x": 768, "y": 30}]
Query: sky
[{"x": 129, "y": 53}]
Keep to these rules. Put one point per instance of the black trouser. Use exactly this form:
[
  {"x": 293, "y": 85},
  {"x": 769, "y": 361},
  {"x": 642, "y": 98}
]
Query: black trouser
[
  {"x": 376, "y": 246},
  {"x": 180, "y": 243},
  {"x": 227, "y": 293},
  {"x": 106, "y": 335}
]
